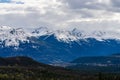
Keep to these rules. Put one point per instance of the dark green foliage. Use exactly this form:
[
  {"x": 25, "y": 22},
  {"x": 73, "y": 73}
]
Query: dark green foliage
[
  {"x": 19, "y": 61},
  {"x": 25, "y": 73},
  {"x": 24, "y": 68}
]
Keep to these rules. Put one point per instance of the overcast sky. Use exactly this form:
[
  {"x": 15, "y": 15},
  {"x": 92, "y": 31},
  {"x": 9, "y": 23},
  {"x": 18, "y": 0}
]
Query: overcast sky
[{"x": 86, "y": 15}]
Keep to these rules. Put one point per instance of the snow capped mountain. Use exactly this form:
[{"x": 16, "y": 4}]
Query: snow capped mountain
[
  {"x": 60, "y": 35},
  {"x": 41, "y": 31},
  {"x": 65, "y": 36},
  {"x": 57, "y": 46},
  {"x": 76, "y": 34},
  {"x": 12, "y": 37}
]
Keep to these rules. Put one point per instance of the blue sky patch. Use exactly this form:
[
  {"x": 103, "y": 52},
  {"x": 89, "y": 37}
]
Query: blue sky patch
[
  {"x": 5, "y": 1},
  {"x": 9, "y": 1}
]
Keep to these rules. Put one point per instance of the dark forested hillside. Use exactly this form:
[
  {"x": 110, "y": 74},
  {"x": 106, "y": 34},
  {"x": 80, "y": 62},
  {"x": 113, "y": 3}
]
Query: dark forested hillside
[
  {"x": 24, "y": 68},
  {"x": 109, "y": 64}
]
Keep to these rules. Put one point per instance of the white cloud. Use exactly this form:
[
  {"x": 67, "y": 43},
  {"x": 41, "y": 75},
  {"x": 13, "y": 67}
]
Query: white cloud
[
  {"x": 86, "y": 15},
  {"x": 30, "y": 13}
]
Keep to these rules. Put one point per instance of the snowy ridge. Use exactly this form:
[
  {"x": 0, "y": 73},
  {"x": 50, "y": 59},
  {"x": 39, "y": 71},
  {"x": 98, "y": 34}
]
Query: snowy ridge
[
  {"x": 76, "y": 34},
  {"x": 41, "y": 32},
  {"x": 65, "y": 36},
  {"x": 12, "y": 37}
]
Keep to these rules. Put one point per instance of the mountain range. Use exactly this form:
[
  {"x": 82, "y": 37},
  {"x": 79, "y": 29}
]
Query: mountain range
[{"x": 56, "y": 46}]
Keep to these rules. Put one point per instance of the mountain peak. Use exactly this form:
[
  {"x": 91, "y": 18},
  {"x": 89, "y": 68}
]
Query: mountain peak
[
  {"x": 41, "y": 31},
  {"x": 11, "y": 36}
]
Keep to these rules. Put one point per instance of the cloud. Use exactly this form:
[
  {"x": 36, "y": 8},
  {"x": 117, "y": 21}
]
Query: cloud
[
  {"x": 116, "y": 3},
  {"x": 31, "y": 13},
  {"x": 94, "y": 14},
  {"x": 86, "y": 15}
]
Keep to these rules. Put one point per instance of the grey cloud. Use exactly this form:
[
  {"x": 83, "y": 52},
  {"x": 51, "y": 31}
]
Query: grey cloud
[
  {"x": 86, "y": 8},
  {"x": 116, "y": 3},
  {"x": 80, "y": 4},
  {"x": 113, "y": 6}
]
